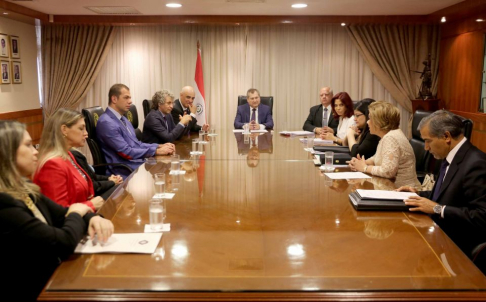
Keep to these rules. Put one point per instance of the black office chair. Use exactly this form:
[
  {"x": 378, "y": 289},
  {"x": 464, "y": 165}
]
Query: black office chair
[
  {"x": 266, "y": 100},
  {"x": 132, "y": 116},
  {"x": 91, "y": 116},
  {"x": 422, "y": 157},
  {"x": 147, "y": 105},
  {"x": 479, "y": 257}
]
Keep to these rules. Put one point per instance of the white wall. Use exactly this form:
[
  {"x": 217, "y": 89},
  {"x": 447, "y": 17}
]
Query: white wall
[{"x": 18, "y": 97}]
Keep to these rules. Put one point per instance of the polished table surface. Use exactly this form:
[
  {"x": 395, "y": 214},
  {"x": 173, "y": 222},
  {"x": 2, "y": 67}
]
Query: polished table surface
[{"x": 261, "y": 222}]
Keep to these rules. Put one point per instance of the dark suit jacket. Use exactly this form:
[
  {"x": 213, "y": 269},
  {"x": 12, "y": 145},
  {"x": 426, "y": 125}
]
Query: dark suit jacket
[
  {"x": 119, "y": 145},
  {"x": 243, "y": 116},
  {"x": 101, "y": 184},
  {"x": 464, "y": 194},
  {"x": 367, "y": 146},
  {"x": 315, "y": 120},
  {"x": 177, "y": 110},
  {"x": 155, "y": 129},
  {"x": 31, "y": 250}
]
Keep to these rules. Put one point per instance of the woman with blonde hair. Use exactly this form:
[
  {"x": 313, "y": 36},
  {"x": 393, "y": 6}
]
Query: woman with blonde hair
[
  {"x": 394, "y": 157},
  {"x": 59, "y": 175},
  {"x": 36, "y": 233}
]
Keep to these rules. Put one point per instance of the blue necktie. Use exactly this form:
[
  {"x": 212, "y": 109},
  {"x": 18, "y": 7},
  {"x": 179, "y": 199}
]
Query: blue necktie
[
  {"x": 252, "y": 118},
  {"x": 443, "y": 168}
]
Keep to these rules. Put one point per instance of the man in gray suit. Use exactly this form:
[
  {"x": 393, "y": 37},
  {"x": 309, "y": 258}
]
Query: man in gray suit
[
  {"x": 159, "y": 126},
  {"x": 322, "y": 113}
]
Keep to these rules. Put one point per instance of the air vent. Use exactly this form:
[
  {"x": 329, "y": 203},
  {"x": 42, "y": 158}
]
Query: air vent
[
  {"x": 113, "y": 10},
  {"x": 246, "y": 1}
]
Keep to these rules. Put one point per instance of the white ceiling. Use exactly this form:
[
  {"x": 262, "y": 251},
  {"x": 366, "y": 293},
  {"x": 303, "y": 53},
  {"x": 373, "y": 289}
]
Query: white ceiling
[{"x": 269, "y": 7}]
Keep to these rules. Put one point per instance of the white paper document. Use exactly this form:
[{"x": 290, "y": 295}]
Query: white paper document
[
  {"x": 164, "y": 195},
  {"x": 346, "y": 175},
  {"x": 323, "y": 141},
  {"x": 259, "y": 131},
  {"x": 139, "y": 243},
  {"x": 180, "y": 172},
  {"x": 382, "y": 194},
  {"x": 165, "y": 228},
  {"x": 238, "y": 130},
  {"x": 296, "y": 133}
]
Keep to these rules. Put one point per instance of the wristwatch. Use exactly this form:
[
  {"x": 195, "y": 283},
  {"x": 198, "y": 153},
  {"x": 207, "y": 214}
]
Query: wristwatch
[{"x": 438, "y": 209}]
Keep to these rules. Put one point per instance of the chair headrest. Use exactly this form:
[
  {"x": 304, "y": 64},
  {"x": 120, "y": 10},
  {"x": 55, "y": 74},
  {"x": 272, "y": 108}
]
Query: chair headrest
[
  {"x": 91, "y": 116},
  {"x": 132, "y": 116},
  {"x": 417, "y": 117}
]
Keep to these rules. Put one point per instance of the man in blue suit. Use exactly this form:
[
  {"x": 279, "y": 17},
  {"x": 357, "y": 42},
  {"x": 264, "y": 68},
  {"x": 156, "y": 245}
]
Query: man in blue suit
[
  {"x": 117, "y": 135},
  {"x": 253, "y": 113},
  {"x": 159, "y": 126}
]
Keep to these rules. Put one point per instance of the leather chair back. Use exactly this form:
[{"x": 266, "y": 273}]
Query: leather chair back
[
  {"x": 91, "y": 116},
  {"x": 146, "y": 104},
  {"x": 266, "y": 100},
  {"x": 422, "y": 157},
  {"x": 132, "y": 116}
]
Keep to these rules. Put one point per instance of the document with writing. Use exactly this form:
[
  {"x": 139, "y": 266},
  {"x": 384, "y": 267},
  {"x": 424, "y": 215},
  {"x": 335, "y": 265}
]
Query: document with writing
[
  {"x": 346, "y": 175},
  {"x": 296, "y": 133},
  {"x": 140, "y": 243},
  {"x": 382, "y": 194}
]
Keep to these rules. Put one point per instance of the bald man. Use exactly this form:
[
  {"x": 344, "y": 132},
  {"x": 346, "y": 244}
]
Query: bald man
[
  {"x": 322, "y": 113},
  {"x": 185, "y": 106}
]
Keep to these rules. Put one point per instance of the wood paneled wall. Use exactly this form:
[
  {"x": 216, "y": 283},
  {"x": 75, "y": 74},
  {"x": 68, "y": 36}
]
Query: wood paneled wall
[
  {"x": 461, "y": 66},
  {"x": 32, "y": 118}
]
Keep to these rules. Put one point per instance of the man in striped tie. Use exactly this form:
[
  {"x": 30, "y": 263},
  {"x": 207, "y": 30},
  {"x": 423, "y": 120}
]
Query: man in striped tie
[{"x": 320, "y": 117}]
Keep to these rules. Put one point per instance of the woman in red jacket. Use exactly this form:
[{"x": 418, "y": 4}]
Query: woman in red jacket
[{"x": 58, "y": 175}]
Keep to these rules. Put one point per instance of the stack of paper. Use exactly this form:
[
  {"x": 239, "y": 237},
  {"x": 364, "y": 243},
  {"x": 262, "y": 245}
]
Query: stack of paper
[{"x": 296, "y": 133}]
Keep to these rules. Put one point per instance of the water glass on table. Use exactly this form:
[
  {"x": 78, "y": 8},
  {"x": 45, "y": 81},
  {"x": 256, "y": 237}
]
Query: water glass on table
[
  {"x": 310, "y": 142},
  {"x": 195, "y": 142},
  {"x": 159, "y": 184},
  {"x": 328, "y": 160},
  {"x": 157, "y": 213},
  {"x": 175, "y": 163}
]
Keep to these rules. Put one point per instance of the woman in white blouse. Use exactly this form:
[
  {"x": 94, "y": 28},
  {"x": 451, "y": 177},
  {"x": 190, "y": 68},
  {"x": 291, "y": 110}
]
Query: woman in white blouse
[
  {"x": 394, "y": 156},
  {"x": 342, "y": 107}
]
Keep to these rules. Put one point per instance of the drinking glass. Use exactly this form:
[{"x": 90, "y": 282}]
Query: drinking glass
[
  {"x": 159, "y": 184},
  {"x": 156, "y": 213},
  {"x": 194, "y": 144},
  {"x": 175, "y": 163},
  {"x": 328, "y": 163}
]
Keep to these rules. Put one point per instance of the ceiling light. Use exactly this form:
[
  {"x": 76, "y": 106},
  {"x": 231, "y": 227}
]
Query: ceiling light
[
  {"x": 343, "y": 24},
  {"x": 287, "y": 21},
  {"x": 5, "y": 13},
  {"x": 479, "y": 20},
  {"x": 443, "y": 19},
  {"x": 299, "y": 5},
  {"x": 173, "y": 5}
]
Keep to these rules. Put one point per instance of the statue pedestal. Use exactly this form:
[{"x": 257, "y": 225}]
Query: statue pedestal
[{"x": 427, "y": 105}]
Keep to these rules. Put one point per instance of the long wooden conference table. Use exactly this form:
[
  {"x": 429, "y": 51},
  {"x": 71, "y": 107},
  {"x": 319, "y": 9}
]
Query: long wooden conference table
[{"x": 260, "y": 222}]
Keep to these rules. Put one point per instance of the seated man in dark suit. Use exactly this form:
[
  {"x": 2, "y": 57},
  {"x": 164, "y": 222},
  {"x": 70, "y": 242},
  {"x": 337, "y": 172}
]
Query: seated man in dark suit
[
  {"x": 457, "y": 202},
  {"x": 321, "y": 119},
  {"x": 184, "y": 105},
  {"x": 253, "y": 113},
  {"x": 159, "y": 127},
  {"x": 117, "y": 137}
]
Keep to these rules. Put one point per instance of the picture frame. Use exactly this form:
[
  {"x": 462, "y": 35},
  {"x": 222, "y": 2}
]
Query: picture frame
[
  {"x": 5, "y": 71},
  {"x": 16, "y": 72},
  {"x": 14, "y": 47},
  {"x": 4, "y": 46}
]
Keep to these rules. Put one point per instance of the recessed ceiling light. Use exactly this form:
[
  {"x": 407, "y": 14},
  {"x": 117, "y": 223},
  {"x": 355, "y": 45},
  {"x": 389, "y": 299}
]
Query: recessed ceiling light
[
  {"x": 5, "y": 13},
  {"x": 479, "y": 20},
  {"x": 287, "y": 21},
  {"x": 173, "y": 5},
  {"x": 343, "y": 24},
  {"x": 443, "y": 19},
  {"x": 299, "y": 5}
]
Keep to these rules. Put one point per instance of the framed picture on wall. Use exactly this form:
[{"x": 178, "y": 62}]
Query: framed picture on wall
[
  {"x": 5, "y": 72},
  {"x": 4, "y": 46},
  {"x": 16, "y": 72},
  {"x": 15, "y": 47}
]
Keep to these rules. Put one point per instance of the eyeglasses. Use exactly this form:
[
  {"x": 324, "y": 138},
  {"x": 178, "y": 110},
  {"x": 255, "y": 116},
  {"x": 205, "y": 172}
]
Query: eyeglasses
[{"x": 358, "y": 115}]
